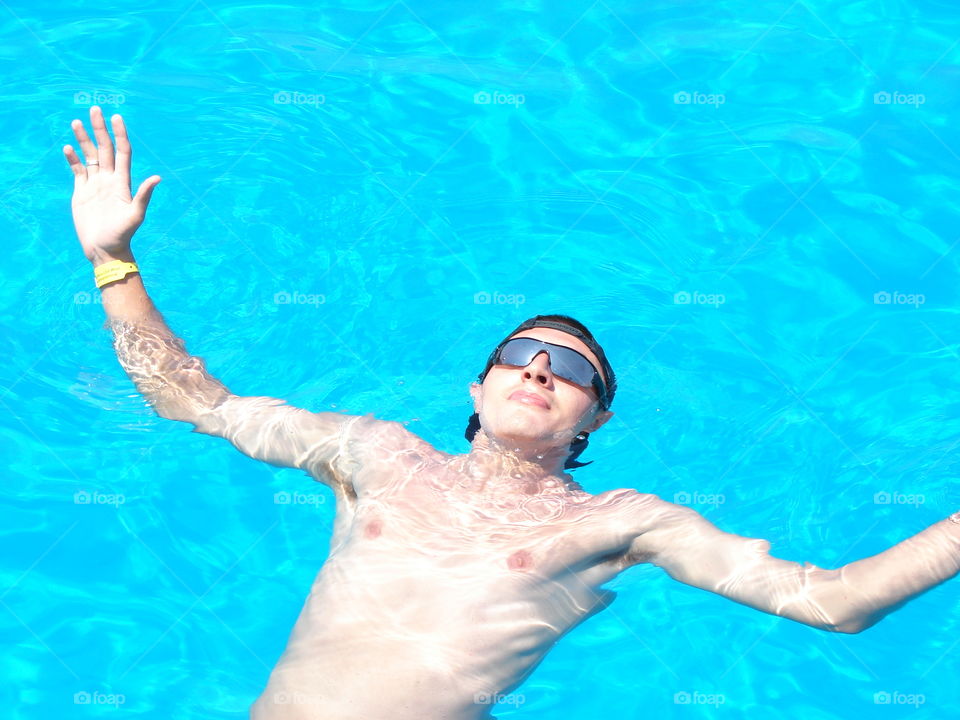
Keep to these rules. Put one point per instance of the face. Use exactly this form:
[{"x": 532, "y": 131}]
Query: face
[{"x": 530, "y": 405}]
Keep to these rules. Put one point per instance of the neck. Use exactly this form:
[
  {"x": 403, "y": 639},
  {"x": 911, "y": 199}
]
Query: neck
[{"x": 493, "y": 459}]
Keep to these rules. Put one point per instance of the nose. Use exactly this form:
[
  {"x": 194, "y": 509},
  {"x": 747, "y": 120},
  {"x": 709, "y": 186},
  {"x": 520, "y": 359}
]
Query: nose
[{"x": 539, "y": 370}]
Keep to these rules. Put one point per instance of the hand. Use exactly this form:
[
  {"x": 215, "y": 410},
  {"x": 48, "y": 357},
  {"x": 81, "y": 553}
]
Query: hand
[{"x": 104, "y": 213}]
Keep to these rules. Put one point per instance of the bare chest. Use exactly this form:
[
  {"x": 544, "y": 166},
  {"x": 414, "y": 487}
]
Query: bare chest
[{"x": 430, "y": 519}]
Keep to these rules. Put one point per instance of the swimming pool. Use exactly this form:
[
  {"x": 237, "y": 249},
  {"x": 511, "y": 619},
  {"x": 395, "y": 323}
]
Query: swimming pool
[{"x": 751, "y": 207}]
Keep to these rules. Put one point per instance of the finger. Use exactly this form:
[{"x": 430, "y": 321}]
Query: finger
[
  {"x": 87, "y": 147},
  {"x": 104, "y": 144},
  {"x": 145, "y": 191},
  {"x": 79, "y": 171},
  {"x": 124, "y": 151}
]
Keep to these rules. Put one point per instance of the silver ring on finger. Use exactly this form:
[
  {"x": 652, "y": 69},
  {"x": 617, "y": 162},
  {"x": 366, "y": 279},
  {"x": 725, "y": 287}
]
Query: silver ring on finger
[{"x": 92, "y": 162}]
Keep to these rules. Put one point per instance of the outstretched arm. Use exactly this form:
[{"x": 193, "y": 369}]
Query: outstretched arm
[
  {"x": 175, "y": 383},
  {"x": 850, "y": 599}
]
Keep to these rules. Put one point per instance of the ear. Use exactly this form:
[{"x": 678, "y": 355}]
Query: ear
[
  {"x": 601, "y": 419},
  {"x": 476, "y": 392}
]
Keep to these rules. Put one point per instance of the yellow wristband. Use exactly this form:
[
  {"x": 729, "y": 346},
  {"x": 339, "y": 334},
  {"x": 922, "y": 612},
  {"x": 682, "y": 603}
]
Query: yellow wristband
[{"x": 113, "y": 271}]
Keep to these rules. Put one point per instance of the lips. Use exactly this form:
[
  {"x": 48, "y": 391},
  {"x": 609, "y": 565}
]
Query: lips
[{"x": 528, "y": 398}]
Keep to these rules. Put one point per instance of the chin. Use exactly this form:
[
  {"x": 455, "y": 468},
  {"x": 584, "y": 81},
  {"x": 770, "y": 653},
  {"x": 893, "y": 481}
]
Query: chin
[
  {"x": 507, "y": 437},
  {"x": 521, "y": 433},
  {"x": 515, "y": 431}
]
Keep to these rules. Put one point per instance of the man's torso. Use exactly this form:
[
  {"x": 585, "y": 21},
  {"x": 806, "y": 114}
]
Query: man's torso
[{"x": 443, "y": 590}]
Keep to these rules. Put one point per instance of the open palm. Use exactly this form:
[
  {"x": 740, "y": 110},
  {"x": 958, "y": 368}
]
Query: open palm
[{"x": 104, "y": 212}]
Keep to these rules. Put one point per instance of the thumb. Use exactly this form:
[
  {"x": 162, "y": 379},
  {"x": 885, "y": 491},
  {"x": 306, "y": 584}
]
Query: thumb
[{"x": 145, "y": 191}]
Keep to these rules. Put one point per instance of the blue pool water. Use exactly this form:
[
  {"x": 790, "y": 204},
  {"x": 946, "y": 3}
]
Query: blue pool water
[{"x": 780, "y": 165}]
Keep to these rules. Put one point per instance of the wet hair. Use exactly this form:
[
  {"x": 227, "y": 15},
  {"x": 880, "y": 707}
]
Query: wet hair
[{"x": 573, "y": 327}]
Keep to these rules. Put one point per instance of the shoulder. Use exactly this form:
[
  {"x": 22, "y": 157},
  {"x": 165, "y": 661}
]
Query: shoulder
[
  {"x": 646, "y": 521},
  {"x": 628, "y": 501},
  {"x": 372, "y": 448},
  {"x": 366, "y": 435},
  {"x": 645, "y": 506}
]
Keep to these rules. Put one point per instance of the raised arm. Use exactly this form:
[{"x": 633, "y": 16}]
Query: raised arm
[
  {"x": 175, "y": 383},
  {"x": 849, "y": 599}
]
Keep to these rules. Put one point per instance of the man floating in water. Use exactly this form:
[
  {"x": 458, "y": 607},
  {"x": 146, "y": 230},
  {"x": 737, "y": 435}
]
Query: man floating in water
[{"x": 450, "y": 576}]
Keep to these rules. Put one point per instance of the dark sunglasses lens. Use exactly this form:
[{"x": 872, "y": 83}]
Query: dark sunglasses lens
[
  {"x": 518, "y": 353},
  {"x": 564, "y": 362},
  {"x": 571, "y": 365}
]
